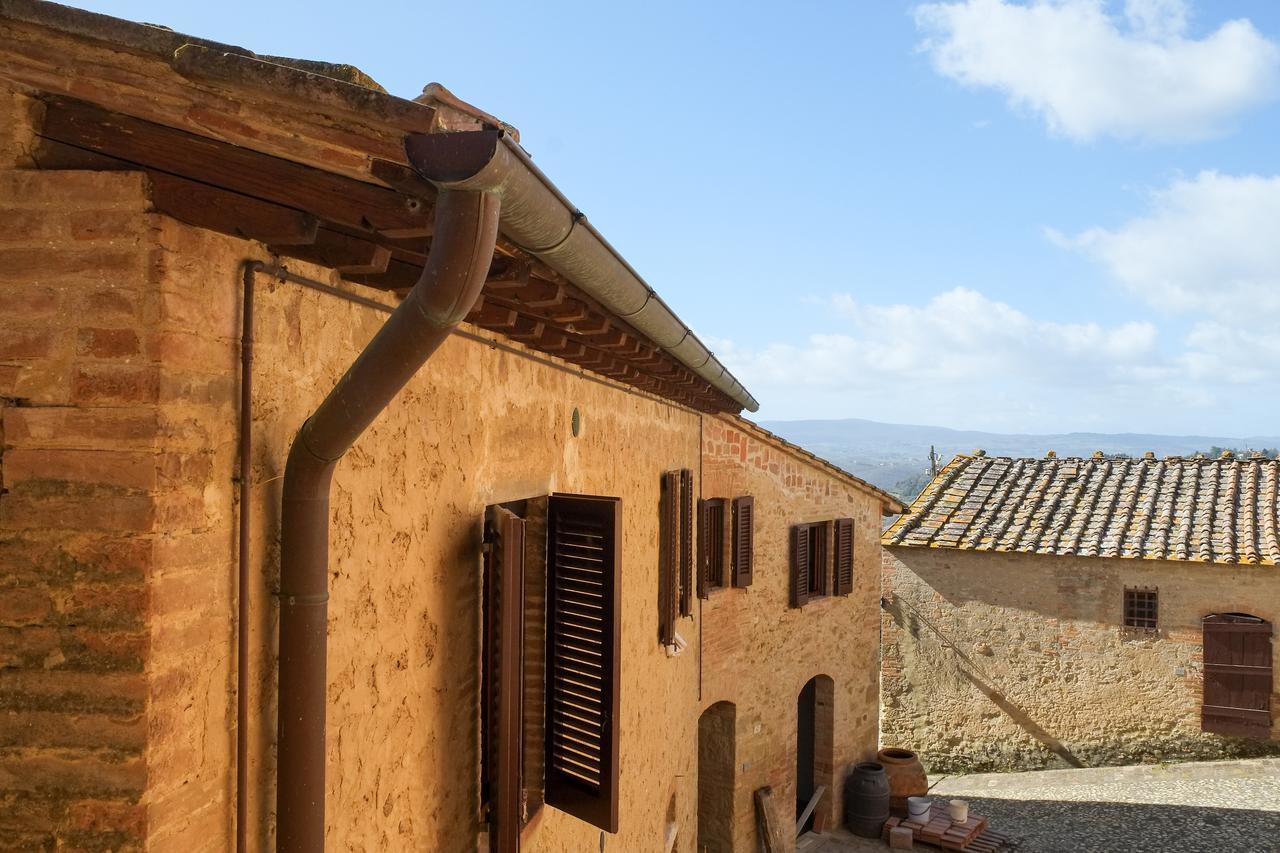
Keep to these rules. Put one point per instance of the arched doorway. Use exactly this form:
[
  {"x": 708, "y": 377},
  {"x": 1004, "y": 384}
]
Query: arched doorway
[
  {"x": 717, "y": 757},
  {"x": 815, "y": 745},
  {"x": 1238, "y": 675}
]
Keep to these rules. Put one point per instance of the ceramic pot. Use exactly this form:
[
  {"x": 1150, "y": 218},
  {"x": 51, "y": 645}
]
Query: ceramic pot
[
  {"x": 959, "y": 810},
  {"x": 906, "y": 777},
  {"x": 866, "y": 800}
]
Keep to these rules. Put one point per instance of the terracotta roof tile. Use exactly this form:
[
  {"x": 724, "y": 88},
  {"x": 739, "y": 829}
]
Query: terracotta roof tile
[{"x": 1202, "y": 510}]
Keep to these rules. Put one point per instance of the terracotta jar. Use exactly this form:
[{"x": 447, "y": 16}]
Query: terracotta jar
[{"x": 906, "y": 777}]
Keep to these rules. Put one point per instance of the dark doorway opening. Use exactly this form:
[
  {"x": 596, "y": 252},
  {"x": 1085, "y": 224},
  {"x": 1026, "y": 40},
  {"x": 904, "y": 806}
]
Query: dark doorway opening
[
  {"x": 716, "y": 762},
  {"x": 815, "y": 759}
]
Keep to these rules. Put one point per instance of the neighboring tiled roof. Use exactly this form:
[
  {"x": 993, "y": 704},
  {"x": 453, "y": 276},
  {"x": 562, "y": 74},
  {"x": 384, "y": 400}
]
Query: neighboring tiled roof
[{"x": 1203, "y": 510}]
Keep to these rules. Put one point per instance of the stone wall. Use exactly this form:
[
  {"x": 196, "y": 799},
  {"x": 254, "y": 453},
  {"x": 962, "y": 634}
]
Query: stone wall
[
  {"x": 996, "y": 661},
  {"x": 758, "y": 652}
]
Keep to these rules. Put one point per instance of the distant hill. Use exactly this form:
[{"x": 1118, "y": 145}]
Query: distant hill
[{"x": 889, "y": 454}]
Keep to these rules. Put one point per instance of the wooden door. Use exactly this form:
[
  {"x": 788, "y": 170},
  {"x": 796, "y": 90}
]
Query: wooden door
[{"x": 1237, "y": 676}]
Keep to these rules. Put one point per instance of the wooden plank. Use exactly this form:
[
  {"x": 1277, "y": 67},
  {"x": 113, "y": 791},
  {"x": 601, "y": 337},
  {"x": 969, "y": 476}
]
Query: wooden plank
[
  {"x": 808, "y": 810},
  {"x": 768, "y": 822},
  {"x": 325, "y": 195}
]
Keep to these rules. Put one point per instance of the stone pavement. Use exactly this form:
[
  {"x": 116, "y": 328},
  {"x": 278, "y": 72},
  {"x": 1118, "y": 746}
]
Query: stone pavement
[{"x": 1203, "y": 807}]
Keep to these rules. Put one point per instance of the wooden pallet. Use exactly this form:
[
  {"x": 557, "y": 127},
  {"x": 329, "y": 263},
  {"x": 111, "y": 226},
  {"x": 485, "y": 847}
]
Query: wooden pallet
[{"x": 938, "y": 830}]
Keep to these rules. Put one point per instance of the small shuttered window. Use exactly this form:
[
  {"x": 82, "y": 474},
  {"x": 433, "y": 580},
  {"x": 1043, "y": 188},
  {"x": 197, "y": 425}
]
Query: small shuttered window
[
  {"x": 810, "y": 562},
  {"x": 844, "y": 556},
  {"x": 584, "y": 541},
  {"x": 711, "y": 545},
  {"x": 743, "y": 545},
  {"x": 669, "y": 543},
  {"x": 502, "y": 680}
]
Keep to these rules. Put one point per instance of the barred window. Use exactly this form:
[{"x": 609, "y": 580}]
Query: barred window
[{"x": 1141, "y": 608}]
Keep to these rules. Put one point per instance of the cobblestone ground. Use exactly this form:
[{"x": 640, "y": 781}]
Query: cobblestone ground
[{"x": 1206, "y": 807}]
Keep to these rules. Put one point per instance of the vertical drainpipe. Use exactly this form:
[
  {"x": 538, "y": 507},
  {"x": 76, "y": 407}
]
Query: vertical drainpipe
[{"x": 466, "y": 228}]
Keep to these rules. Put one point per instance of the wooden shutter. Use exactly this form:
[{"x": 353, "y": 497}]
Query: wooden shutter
[
  {"x": 1237, "y": 676},
  {"x": 711, "y": 544},
  {"x": 800, "y": 565},
  {"x": 584, "y": 542},
  {"x": 503, "y": 677},
  {"x": 743, "y": 545},
  {"x": 844, "y": 556},
  {"x": 668, "y": 557},
  {"x": 686, "y": 542}
]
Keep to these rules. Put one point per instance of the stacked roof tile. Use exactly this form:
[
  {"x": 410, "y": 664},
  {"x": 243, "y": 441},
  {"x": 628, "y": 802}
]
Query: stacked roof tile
[{"x": 1196, "y": 509}]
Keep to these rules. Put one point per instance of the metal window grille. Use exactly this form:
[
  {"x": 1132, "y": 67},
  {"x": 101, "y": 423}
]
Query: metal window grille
[{"x": 1141, "y": 608}]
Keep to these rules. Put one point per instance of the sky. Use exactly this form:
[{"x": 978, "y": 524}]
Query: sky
[{"x": 1011, "y": 216}]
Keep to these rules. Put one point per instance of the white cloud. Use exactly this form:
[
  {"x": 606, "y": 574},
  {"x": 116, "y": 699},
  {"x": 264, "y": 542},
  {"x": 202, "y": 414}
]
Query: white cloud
[
  {"x": 1208, "y": 245},
  {"x": 960, "y": 358},
  {"x": 1089, "y": 73}
]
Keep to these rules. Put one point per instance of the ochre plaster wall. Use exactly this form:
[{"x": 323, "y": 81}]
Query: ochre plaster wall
[
  {"x": 1042, "y": 673},
  {"x": 758, "y": 652}
]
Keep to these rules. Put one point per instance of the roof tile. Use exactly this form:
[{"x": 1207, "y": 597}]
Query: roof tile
[{"x": 1193, "y": 509}]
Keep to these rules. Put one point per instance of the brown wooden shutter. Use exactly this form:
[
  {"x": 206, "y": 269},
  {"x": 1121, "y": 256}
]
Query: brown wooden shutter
[
  {"x": 503, "y": 677},
  {"x": 711, "y": 545},
  {"x": 686, "y": 542},
  {"x": 743, "y": 540},
  {"x": 668, "y": 557},
  {"x": 799, "y": 565},
  {"x": 584, "y": 543},
  {"x": 1238, "y": 676},
  {"x": 844, "y": 556}
]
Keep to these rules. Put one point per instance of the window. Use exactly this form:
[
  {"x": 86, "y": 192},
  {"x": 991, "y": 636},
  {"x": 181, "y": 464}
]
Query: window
[
  {"x": 686, "y": 542},
  {"x": 743, "y": 545},
  {"x": 669, "y": 540},
  {"x": 844, "y": 556},
  {"x": 810, "y": 561},
  {"x": 675, "y": 555},
  {"x": 551, "y": 738},
  {"x": 1141, "y": 608},
  {"x": 584, "y": 537},
  {"x": 711, "y": 545}
]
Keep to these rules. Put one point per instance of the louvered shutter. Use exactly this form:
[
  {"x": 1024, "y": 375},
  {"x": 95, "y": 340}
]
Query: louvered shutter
[
  {"x": 711, "y": 545},
  {"x": 686, "y": 542},
  {"x": 799, "y": 565},
  {"x": 584, "y": 540},
  {"x": 668, "y": 557},
  {"x": 844, "y": 556},
  {"x": 503, "y": 677},
  {"x": 1237, "y": 676},
  {"x": 743, "y": 545}
]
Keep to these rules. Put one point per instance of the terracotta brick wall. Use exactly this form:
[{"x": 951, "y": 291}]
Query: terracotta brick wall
[
  {"x": 77, "y": 509},
  {"x": 758, "y": 652},
  {"x": 116, "y": 599}
]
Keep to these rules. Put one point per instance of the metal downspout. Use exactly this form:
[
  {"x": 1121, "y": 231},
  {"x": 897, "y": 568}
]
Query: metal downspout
[{"x": 466, "y": 228}]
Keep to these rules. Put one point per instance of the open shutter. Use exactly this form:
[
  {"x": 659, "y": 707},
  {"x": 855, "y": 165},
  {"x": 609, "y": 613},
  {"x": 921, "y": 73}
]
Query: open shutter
[
  {"x": 584, "y": 542},
  {"x": 799, "y": 565},
  {"x": 686, "y": 542},
  {"x": 1237, "y": 676},
  {"x": 668, "y": 557},
  {"x": 844, "y": 556},
  {"x": 743, "y": 540},
  {"x": 503, "y": 677},
  {"x": 711, "y": 545}
]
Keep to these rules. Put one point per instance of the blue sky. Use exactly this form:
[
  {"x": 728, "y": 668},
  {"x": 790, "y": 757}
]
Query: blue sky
[{"x": 1037, "y": 216}]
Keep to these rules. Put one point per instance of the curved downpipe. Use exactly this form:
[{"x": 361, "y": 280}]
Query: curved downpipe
[{"x": 466, "y": 228}]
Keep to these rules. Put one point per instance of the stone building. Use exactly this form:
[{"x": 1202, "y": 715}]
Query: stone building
[
  {"x": 1080, "y": 612},
  {"x": 524, "y": 575}
]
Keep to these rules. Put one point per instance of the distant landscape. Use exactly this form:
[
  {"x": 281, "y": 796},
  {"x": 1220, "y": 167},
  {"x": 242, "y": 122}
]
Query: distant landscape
[{"x": 895, "y": 457}]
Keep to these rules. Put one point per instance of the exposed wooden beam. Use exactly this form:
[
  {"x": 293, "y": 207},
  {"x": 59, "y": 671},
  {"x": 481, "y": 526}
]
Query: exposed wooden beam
[
  {"x": 345, "y": 253},
  {"x": 322, "y": 194}
]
